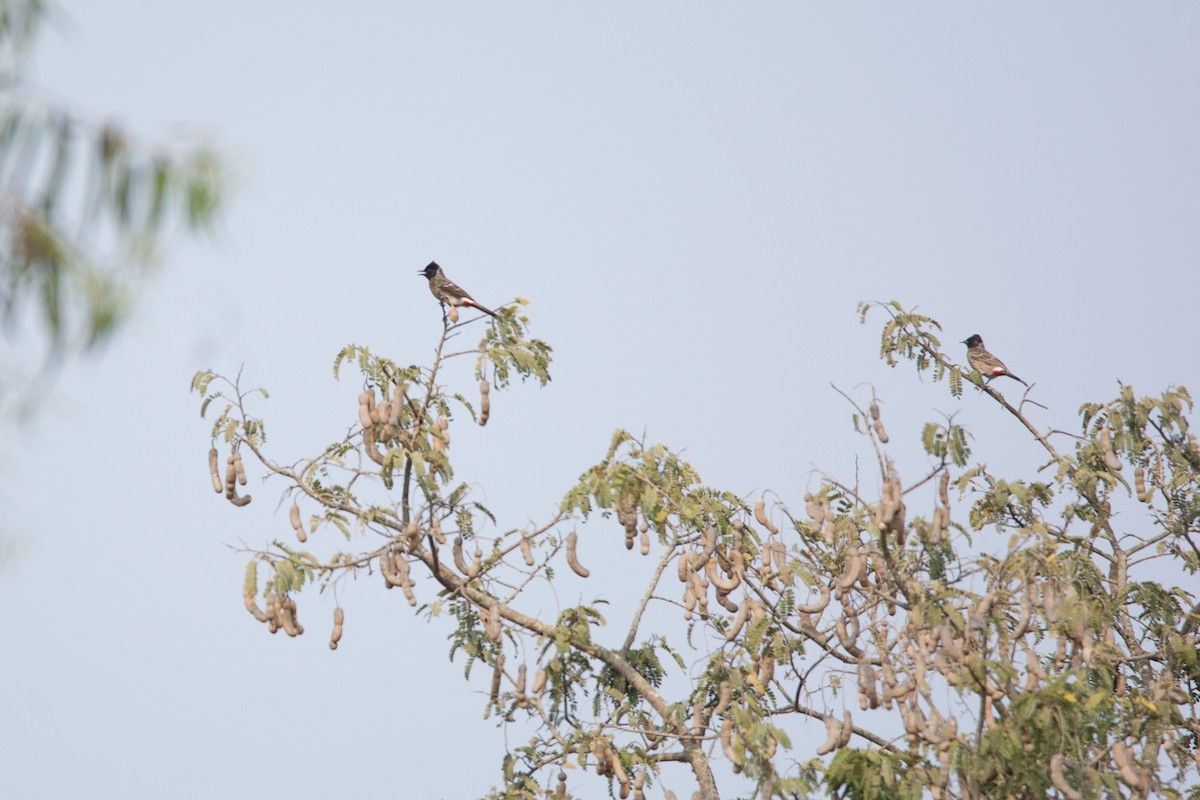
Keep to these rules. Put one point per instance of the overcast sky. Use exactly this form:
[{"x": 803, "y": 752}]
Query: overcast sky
[{"x": 693, "y": 196}]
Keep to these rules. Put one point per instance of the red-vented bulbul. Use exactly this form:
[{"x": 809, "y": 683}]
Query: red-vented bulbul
[
  {"x": 988, "y": 365},
  {"x": 448, "y": 292}
]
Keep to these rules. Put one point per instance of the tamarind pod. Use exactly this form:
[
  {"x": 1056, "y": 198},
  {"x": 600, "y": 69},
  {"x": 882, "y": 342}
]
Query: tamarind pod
[
  {"x": 560, "y": 792},
  {"x": 459, "y": 562},
  {"x": 273, "y": 623},
  {"x": 979, "y": 616},
  {"x": 689, "y": 600},
  {"x": 371, "y": 408},
  {"x": 336, "y": 636},
  {"x": 727, "y": 739},
  {"x": 214, "y": 471},
  {"x": 944, "y": 489},
  {"x": 369, "y": 443},
  {"x": 522, "y": 698},
  {"x": 618, "y": 771},
  {"x": 526, "y": 552},
  {"x": 878, "y": 423},
  {"x": 833, "y": 735},
  {"x": 230, "y": 478},
  {"x": 477, "y": 564},
  {"x": 738, "y": 621},
  {"x": 397, "y": 405},
  {"x": 1059, "y": 780},
  {"x": 710, "y": 542},
  {"x": 388, "y": 433},
  {"x": 683, "y": 567},
  {"x": 497, "y": 672},
  {"x": 252, "y": 606},
  {"x": 847, "y": 731},
  {"x": 764, "y": 570},
  {"x": 485, "y": 403},
  {"x": 722, "y": 584},
  {"x": 435, "y": 530},
  {"x": 780, "y": 556},
  {"x": 239, "y": 501},
  {"x": 872, "y": 694},
  {"x": 1110, "y": 458},
  {"x": 364, "y": 412},
  {"x": 1139, "y": 483},
  {"x": 297, "y": 525},
  {"x": 443, "y": 426},
  {"x": 766, "y": 669},
  {"x": 492, "y": 626},
  {"x": 1124, "y": 762},
  {"x": 726, "y": 603},
  {"x": 573, "y": 559},
  {"x": 645, "y": 543},
  {"x": 239, "y": 468},
  {"x": 539, "y": 682},
  {"x": 411, "y": 533},
  {"x": 700, "y": 590},
  {"x": 827, "y": 530},
  {"x": 628, "y": 540},
  {"x": 724, "y": 693},
  {"x": 287, "y": 620},
  {"x": 847, "y": 578},
  {"x": 817, "y": 607},
  {"x": 760, "y": 514}
]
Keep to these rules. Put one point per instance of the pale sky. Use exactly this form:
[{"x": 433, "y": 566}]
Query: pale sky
[{"x": 693, "y": 196}]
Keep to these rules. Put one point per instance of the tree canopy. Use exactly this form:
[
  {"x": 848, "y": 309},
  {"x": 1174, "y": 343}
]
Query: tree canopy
[
  {"x": 84, "y": 207},
  {"x": 950, "y": 630}
]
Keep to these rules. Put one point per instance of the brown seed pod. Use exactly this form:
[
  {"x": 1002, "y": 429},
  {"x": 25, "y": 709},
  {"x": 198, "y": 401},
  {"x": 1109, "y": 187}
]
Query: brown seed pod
[
  {"x": 364, "y": 410},
  {"x": 738, "y": 621},
  {"x": 1125, "y": 766},
  {"x": 252, "y": 606},
  {"x": 725, "y": 585},
  {"x": 522, "y": 698},
  {"x": 412, "y": 533},
  {"x": 878, "y": 423},
  {"x": 1110, "y": 458},
  {"x": 230, "y": 477},
  {"x": 833, "y": 735},
  {"x": 944, "y": 488},
  {"x": 1139, "y": 484},
  {"x": 1059, "y": 780},
  {"x": 297, "y": 525},
  {"x": 526, "y": 552},
  {"x": 492, "y": 624},
  {"x": 760, "y": 514},
  {"x": 817, "y": 607},
  {"x": 485, "y": 402},
  {"x": 573, "y": 559},
  {"x": 435, "y": 530},
  {"x": 369, "y": 443},
  {"x": 724, "y": 693},
  {"x": 214, "y": 471},
  {"x": 239, "y": 468},
  {"x": 338, "y": 617},
  {"x": 645, "y": 543},
  {"x": 683, "y": 567},
  {"x": 847, "y": 731},
  {"x": 459, "y": 562},
  {"x": 497, "y": 673},
  {"x": 539, "y": 682}
]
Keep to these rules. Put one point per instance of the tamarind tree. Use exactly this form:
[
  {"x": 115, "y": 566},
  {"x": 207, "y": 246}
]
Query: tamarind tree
[{"x": 1000, "y": 636}]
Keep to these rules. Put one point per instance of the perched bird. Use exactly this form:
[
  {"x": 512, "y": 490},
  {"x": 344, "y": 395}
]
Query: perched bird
[
  {"x": 988, "y": 365},
  {"x": 448, "y": 292}
]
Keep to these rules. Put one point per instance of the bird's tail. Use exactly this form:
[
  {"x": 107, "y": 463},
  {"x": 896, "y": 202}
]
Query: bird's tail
[
  {"x": 1014, "y": 377},
  {"x": 491, "y": 313}
]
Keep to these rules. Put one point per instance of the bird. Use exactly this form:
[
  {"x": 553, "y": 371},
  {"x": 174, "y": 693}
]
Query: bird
[
  {"x": 448, "y": 292},
  {"x": 988, "y": 365}
]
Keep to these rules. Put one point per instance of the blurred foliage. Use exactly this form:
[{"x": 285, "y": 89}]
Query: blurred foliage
[{"x": 84, "y": 207}]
